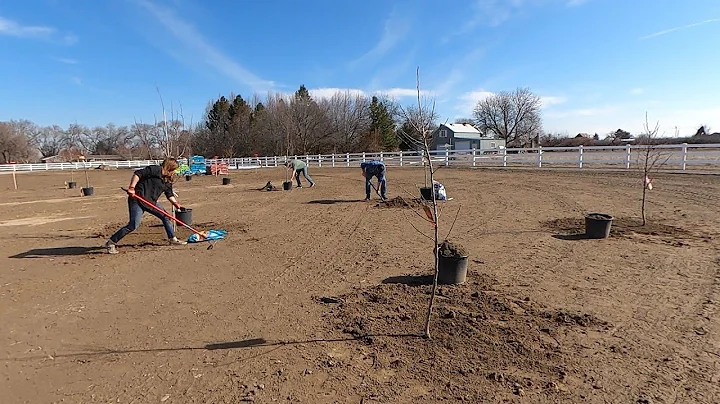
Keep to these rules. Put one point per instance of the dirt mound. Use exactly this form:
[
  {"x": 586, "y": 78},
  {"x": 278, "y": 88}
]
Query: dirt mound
[
  {"x": 486, "y": 347},
  {"x": 450, "y": 249},
  {"x": 622, "y": 227},
  {"x": 398, "y": 202}
]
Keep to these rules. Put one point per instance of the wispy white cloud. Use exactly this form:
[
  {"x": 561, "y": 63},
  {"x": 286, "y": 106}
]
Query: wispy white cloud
[
  {"x": 67, "y": 61},
  {"x": 467, "y": 101},
  {"x": 584, "y": 112},
  {"x": 493, "y": 13},
  {"x": 631, "y": 117},
  {"x": 329, "y": 92},
  {"x": 468, "y": 62},
  {"x": 549, "y": 100},
  {"x": 77, "y": 80},
  {"x": 397, "y": 27},
  {"x": 201, "y": 50},
  {"x": 15, "y": 29},
  {"x": 667, "y": 31},
  {"x": 637, "y": 91}
]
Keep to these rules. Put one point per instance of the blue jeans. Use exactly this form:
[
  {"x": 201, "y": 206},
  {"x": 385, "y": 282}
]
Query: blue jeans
[
  {"x": 303, "y": 171},
  {"x": 381, "y": 181},
  {"x": 136, "y": 210}
]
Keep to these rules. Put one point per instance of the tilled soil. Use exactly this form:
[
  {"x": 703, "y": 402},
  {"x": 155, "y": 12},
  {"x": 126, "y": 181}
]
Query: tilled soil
[{"x": 318, "y": 297}]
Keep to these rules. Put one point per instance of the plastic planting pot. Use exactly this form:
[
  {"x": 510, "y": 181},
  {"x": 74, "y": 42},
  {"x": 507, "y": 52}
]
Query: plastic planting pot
[
  {"x": 184, "y": 215},
  {"x": 287, "y": 185},
  {"x": 87, "y": 191},
  {"x": 188, "y": 177},
  {"x": 72, "y": 184},
  {"x": 452, "y": 270},
  {"x": 426, "y": 193},
  {"x": 597, "y": 225},
  {"x": 226, "y": 181}
]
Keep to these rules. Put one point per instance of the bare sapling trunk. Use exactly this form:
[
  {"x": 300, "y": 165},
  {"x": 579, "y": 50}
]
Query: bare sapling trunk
[
  {"x": 436, "y": 250},
  {"x": 652, "y": 158}
]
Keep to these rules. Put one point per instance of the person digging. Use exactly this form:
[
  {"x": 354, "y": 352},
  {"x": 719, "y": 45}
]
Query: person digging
[
  {"x": 374, "y": 168},
  {"x": 149, "y": 183},
  {"x": 299, "y": 167}
]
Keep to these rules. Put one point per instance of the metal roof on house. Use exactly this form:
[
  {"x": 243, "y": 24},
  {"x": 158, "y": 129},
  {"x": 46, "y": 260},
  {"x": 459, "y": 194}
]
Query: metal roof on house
[
  {"x": 463, "y": 131},
  {"x": 462, "y": 128}
]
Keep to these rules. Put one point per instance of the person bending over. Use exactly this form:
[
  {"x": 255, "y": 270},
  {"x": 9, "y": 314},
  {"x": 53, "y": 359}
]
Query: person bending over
[
  {"x": 299, "y": 167},
  {"x": 374, "y": 168}
]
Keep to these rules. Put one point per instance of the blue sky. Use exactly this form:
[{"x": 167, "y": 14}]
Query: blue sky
[{"x": 598, "y": 64}]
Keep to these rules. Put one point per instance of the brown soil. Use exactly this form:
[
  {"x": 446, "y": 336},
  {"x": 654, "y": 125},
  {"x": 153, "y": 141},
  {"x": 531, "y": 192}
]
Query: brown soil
[
  {"x": 398, "y": 202},
  {"x": 485, "y": 347},
  {"x": 450, "y": 249},
  {"x": 625, "y": 227},
  {"x": 289, "y": 306}
]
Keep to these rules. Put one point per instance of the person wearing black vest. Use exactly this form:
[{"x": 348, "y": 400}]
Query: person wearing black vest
[{"x": 149, "y": 183}]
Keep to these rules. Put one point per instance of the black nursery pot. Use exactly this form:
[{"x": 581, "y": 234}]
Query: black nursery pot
[
  {"x": 226, "y": 181},
  {"x": 452, "y": 270},
  {"x": 188, "y": 177},
  {"x": 184, "y": 215},
  {"x": 597, "y": 225},
  {"x": 87, "y": 191},
  {"x": 287, "y": 185},
  {"x": 426, "y": 193},
  {"x": 72, "y": 184}
]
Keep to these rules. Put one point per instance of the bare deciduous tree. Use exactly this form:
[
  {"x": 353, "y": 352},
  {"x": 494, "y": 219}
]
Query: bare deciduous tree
[
  {"x": 650, "y": 159},
  {"x": 349, "y": 119},
  {"x": 513, "y": 116},
  {"x": 14, "y": 145}
]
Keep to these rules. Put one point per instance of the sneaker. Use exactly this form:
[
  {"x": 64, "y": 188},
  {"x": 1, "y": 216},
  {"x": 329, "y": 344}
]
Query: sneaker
[
  {"x": 312, "y": 185},
  {"x": 298, "y": 186},
  {"x": 110, "y": 248},
  {"x": 366, "y": 199},
  {"x": 175, "y": 241}
]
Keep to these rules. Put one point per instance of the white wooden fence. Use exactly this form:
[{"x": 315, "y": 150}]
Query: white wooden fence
[{"x": 679, "y": 157}]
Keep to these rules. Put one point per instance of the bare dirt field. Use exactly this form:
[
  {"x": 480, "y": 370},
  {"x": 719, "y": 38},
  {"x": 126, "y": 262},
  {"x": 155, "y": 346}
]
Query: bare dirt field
[{"x": 318, "y": 297}]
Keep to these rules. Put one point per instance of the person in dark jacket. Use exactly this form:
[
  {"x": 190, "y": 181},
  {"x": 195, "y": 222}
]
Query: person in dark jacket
[{"x": 149, "y": 183}]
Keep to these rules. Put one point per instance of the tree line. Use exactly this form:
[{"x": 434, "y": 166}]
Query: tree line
[{"x": 295, "y": 124}]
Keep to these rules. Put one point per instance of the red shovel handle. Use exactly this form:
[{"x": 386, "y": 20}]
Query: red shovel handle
[{"x": 162, "y": 212}]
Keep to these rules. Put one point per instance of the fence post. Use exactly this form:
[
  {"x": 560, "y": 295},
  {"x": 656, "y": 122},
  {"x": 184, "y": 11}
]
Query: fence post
[
  {"x": 347, "y": 159},
  {"x": 473, "y": 157},
  {"x": 275, "y": 158},
  {"x": 505, "y": 157},
  {"x": 684, "y": 155},
  {"x": 401, "y": 162},
  {"x": 447, "y": 157},
  {"x": 319, "y": 160},
  {"x": 627, "y": 156},
  {"x": 363, "y": 157},
  {"x": 381, "y": 157},
  {"x": 580, "y": 157},
  {"x": 540, "y": 152},
  {"x": 333, "y": 159},
  {"x": 307, "y": 159}
]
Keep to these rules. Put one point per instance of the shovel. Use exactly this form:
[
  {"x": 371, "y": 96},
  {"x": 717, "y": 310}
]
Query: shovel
[{"x": 210, "y": 235}]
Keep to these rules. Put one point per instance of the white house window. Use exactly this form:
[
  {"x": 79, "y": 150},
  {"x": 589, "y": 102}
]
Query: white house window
[
  {"x": 443, "y": 133},
  {"x": 493, "y": 145}
]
